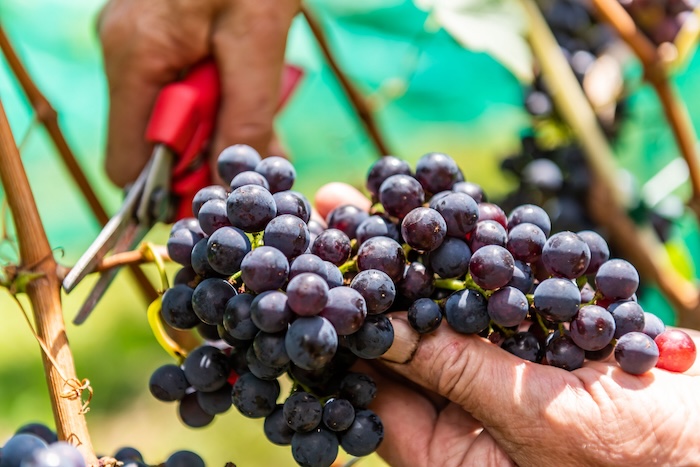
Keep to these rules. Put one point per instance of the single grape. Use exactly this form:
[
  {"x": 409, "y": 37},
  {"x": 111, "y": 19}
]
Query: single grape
[
  {"x": 338, "y": 414},
  {"x": 316, "y": 448},
  {"x": 628, "y": 315},
  {"x": 466, "y": 311},
  {"x": 565, "y": 254},
  {"x": 206, "y": 368},
  {"x": 236, "y": 159},
  {"x": 376, "y": 288},
  {"x": 451, "y": 259},
  {"x": 437, "y": 172},
  {"x": 168, "y": 383},
  {"x": 424, "y": 315},
  {"x": 311, "y": 342},
  {"x": 346, "y": 310},
  {"x": 358, "y": 388},
  {"x": 423, "y": 229},
  {"x": 677, "y": 351},
  {"x": 507, "y": 307},
  {"x": 373, "y": 339},
  {"x": 307, "y": 263},
  {"x": 278, "y": 171},
  {"x": 472, "y": 189},
  {"x": 532, "y": 214},
  {"x": 250, "y": 208},
  {"x": 249, "y": 177},
  {"x": 200, "y": 263},
  {"x": 399, "y": 194},
  {"x": 653, "y": 326},
  {"x": 303, "y": 411},
  {"x": 562, "y": 352},
  {"x": 522, "y": 279},
  {"x": 180, "y": 245},
  {"x": 226, "y": 248},
  {"x": 364, "y": 435},
  {"x": 417, "y": 282},
  {"x": 617, "y": 279},
  {"x": 287, "y": 233},
  {"x": 294, "y": 203},
  {"x": 346, "y": 218},
  {"x": 191, "y": 413},
  {"x": 492, "y": 212},
  {"x": 636, "y": 353},
  {"x": 460, "y": 212},
  {"x": 269, "y": 348},
  {"x": 215, "y": 402},
  {"x": 557, "y": 299},
  {"x": 254, "y": 397},
  {"x": 334, "y": 278},
  {"x": 525, "y": 242},
  {"x": 376, "y": 226},
  {"x": 184, "y": 459},
  {"x": 176, "y": 308},
  {"x": 270, "y": 311},
  {"x": 19, "y": 448},
  {"x": 276, "y": 429},
  {"x": 209, "y": 300},
  {"x": 491, "y": 267},
  {"x": 487, "y": 233},
  {"x": 264, "y": 268},
  {"x": 307, "y": 294},
  {"x": 600, "y": 252},
  {"x": 206, "y": 194},
  {"x": 212, "y": 216},
  {"x": 524, "y": 345},
  {"x": 260, "y": 369},
  {"x": 592, "y": 328},
  {"x": 384, "y": 168},
  {"x": 40, "y": 430},
  {"x": 128, "y": 454},
  {"x": 237, "y": 320},
  {"x": 332, "y": 245},
  {"x": 384, "y": 254}
]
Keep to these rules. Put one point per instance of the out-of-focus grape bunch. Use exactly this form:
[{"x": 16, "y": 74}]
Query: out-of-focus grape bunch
[
  {"x": 276, "y": 293},
  {"x": 660, "y": 20}
]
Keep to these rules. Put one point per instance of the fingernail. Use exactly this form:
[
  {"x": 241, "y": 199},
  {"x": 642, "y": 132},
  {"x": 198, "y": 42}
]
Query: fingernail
[{"x": 406, "y": 341}]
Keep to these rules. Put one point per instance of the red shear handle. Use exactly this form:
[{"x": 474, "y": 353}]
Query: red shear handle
[{"x": 184, "y": 114}]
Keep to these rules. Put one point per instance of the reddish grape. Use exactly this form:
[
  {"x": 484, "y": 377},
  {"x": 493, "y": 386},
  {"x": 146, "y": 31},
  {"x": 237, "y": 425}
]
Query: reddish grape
[{"x": 677, "y": 350}]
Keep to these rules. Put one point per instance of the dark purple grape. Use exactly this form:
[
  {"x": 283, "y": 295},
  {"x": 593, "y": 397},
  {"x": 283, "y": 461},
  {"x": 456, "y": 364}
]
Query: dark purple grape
[
  {"x": 346, "y": 218},
  {"x": 270, "y": 311},
  {"x": 332, "y": 245},
  {"x": 562, "y": 352},
  {"x": 200, "y": 263},
  {"x": 460, "y": 211},
  {"x": 168, "y": 383},
  {"x": 38, "y": 429},
  {"x": 215, "y": 402},
  {"x": 212, "y": 216},
  {"x": 237, "y": 320},
  {"x": 189, "y": 223},
  {"x": 524, "y": 345},
  {"x": 424, "y": 315},
  {"x": 249, "y": 177},
  {"x": 208, "y": 332},
  {"x": 466, "y": 311},
  {"x": 364, "y": 435},
  {"x": 317, "y": 448},
  {"x": 250, "y": 208},
  {"x": 176, "y": 308},
  {"x": 636, "y": 353},
  {"x": 236, "y": 159},
  {"x": 557, "y": 299},
  {"x": 373, "y": 339},
  {"x": 184, "y": 459},
  {"x": 565, "y": 254},
  {"x": 276, "y": 429},
  {"x": 209, "y": 300},
  {"x": 376, "y": 288},
  {"x": 206, "y": 194},
  {"x": 617, "y": 279},
  {"x": 264, "y": 268},
  {"x": 523, "y": 278},
  {"x": 383, "y": 169},
  {"x": 437, "y": 172},
  {"x": 399, "y": 194},
  {"x": 302, "y": 411},
  {"x": 20, "y": 448},
  {"x": 384, "y": 254},
  {"x": 288, "y": 234},
  {"x": 226, "y": 248},
  {"x": 472, "y": 189},
  {"x": 653, "y": 326},
  {"x": 307, "y": 263},
  {"x": 508, "y": 307},
  {"x": 191, "y": 413},
  {"x": 346, "y": 310},
  {"x": 311, "y": 342},
  {"x": 492, "y": 212},
  {"x": 307, "y": 294},
  {"x": 254, "y": 397},
  {"x": 358, "y": 388},
  {"x": 531, "y": 214},
  {"x": 206, "y": 368},
  {"x": 423, "y": 229},
  {"x": 260, "y": 369},
  {"x": 592, "y": 328},
  {"x": 294, "y": 203},
  {"x": 417, "y": 282},
  {"x": 376, "y": 226},
  {"x": 487, "y": 233},
  {"x": 543, "y": 175},
  {"x": 229, "y": 339},
  {"x": 451, "y": 259},
  {"x": 334, "y": 278},
  {"x": 491, "y": 267},
  {"x": 628, "y": 316},
  {"x": 185, "y": 276},
  {"x": 525, "y": 242},
  {"x": 128, "y": 454},
  {"x": 278, "y": 171},
  {"x": 180, "y": 245},
  {"x": 269, "y": 348},
  {"x": 598, "y": 247},
  {"x": 338, "y": 414}
]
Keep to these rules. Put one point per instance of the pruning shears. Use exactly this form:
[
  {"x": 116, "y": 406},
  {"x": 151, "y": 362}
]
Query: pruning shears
[{"x": 180, "y": 127}]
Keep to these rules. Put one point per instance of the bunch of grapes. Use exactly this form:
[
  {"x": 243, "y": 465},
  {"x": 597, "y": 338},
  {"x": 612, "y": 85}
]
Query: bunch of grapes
[
  {"x": 36, "y": 445},
  {"x": 660, "y": 20},
  {"x": 276, "y": 293}
]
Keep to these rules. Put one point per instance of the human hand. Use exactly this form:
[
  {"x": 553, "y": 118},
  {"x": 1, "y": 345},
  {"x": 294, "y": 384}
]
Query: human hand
[
  {"x": 461, "y": 400},
  {"x": 147, "y": 45}
]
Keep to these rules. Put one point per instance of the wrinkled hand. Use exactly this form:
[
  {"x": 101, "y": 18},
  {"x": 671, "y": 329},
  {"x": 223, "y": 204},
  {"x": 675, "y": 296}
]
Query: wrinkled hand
[
  {"x": 461, "y": 400},
  {"x": 147, "y": 44}
]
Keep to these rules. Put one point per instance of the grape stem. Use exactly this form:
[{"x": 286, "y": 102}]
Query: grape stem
[
  {"x": 44, "y": 294},
  {"x": 349, "y": 266},
  {"x": 48, "y": 117}
]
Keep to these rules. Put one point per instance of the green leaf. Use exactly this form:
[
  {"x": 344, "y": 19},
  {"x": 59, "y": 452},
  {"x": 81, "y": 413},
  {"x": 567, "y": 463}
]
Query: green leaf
[{"x": 496, "y": 27}]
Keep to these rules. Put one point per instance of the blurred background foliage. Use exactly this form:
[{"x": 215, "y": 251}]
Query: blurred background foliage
[{"x": 429, "y": 93}]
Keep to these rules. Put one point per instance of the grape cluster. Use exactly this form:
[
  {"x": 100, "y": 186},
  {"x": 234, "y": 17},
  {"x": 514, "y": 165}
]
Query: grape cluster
[
  {"x": 36, "y": 445},
  {"x": 660, "y": 20},
  {"x": 274, "y": 292}
]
